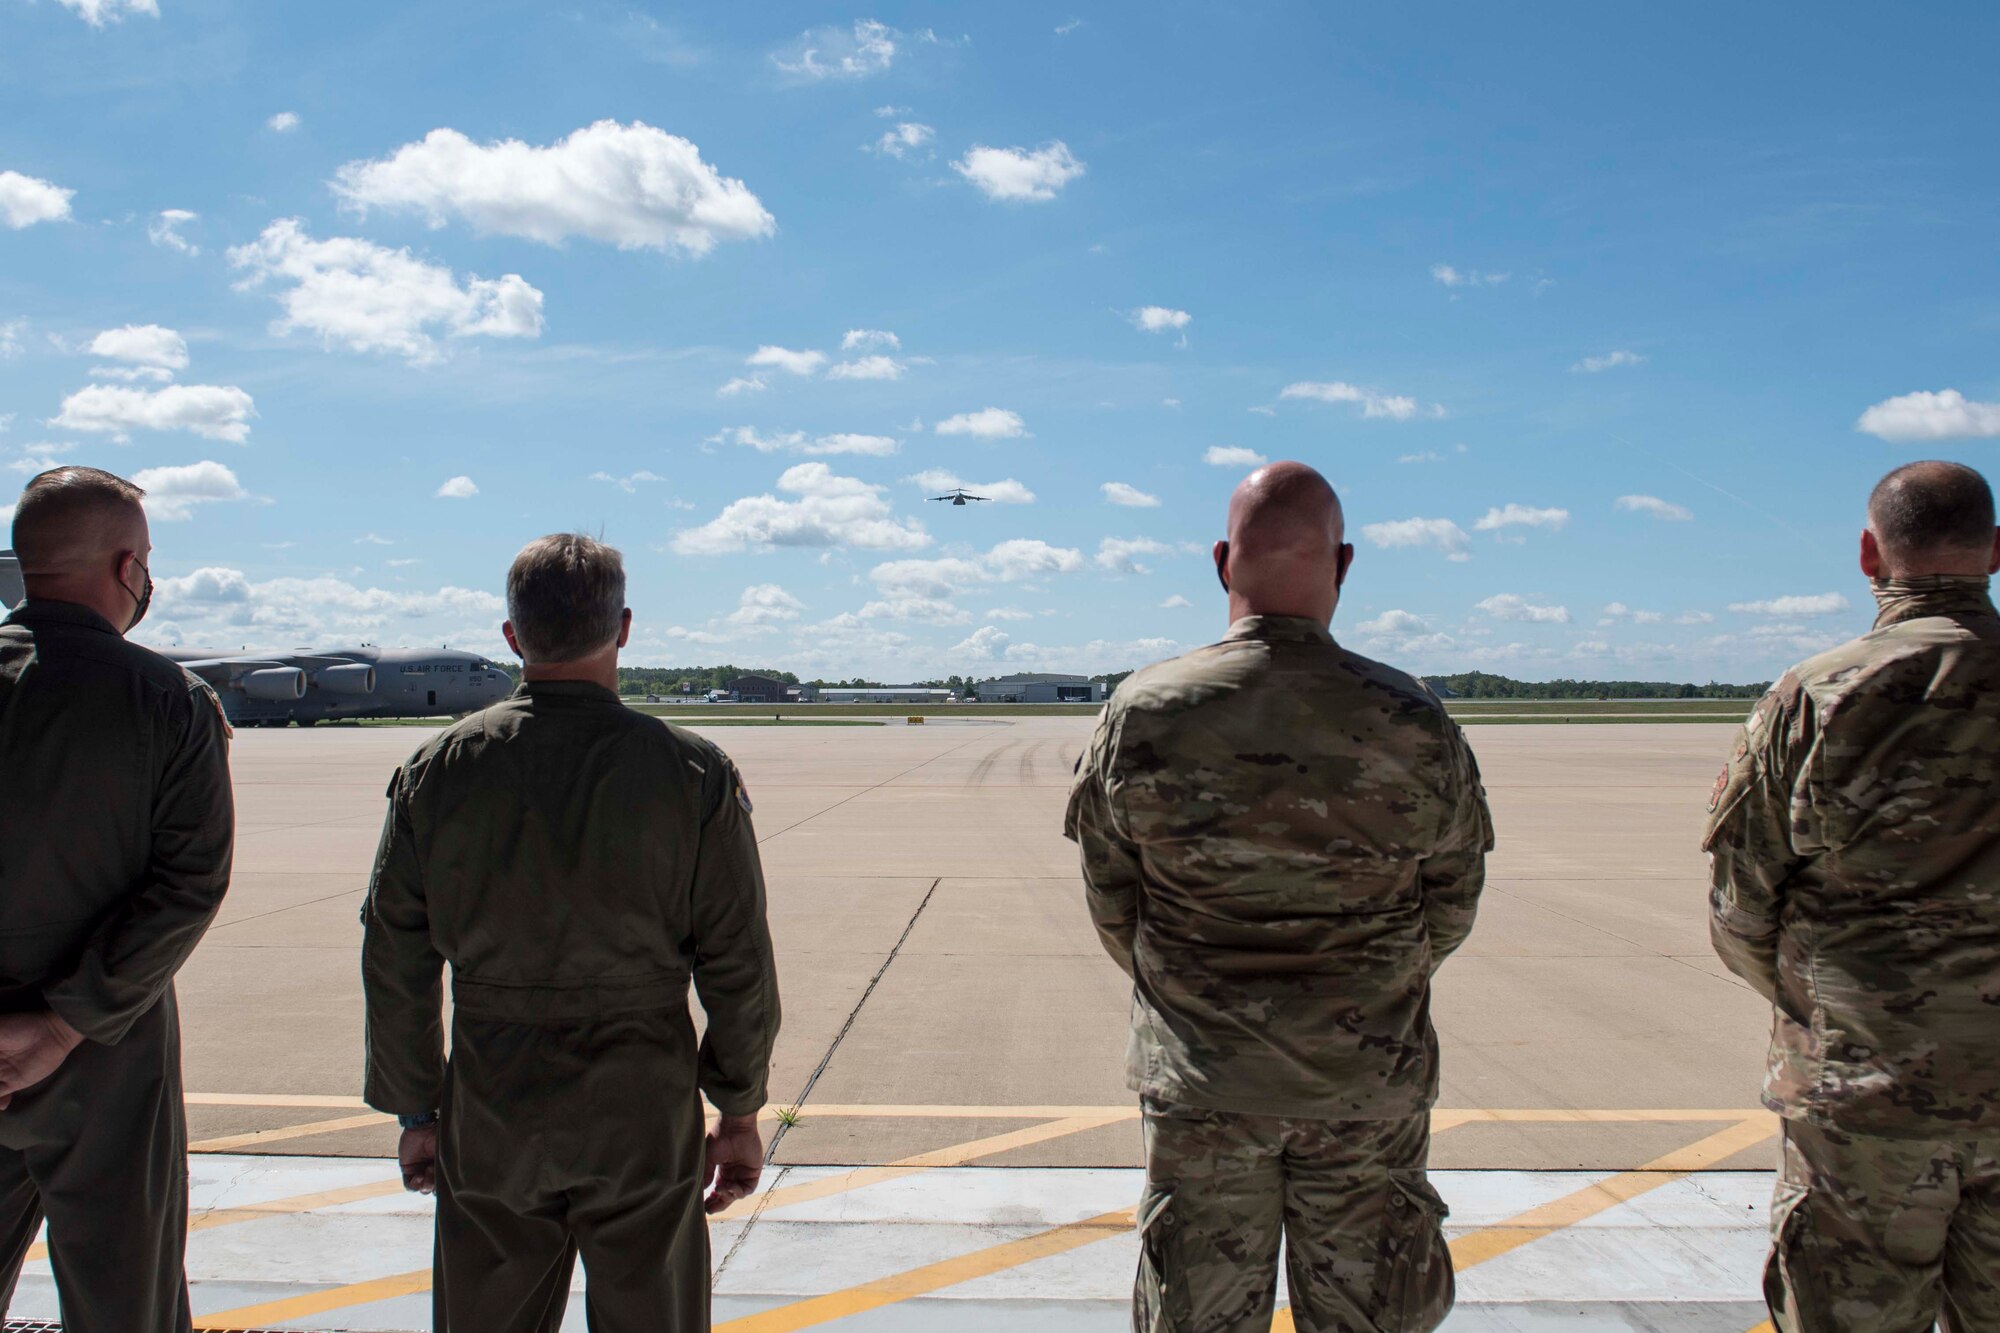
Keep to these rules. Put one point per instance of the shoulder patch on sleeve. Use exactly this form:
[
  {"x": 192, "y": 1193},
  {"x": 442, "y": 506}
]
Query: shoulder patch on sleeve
[{"x": 743, "y": 795}]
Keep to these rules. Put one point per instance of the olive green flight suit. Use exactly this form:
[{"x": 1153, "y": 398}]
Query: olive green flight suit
[
  {"x": 577, "y": 863},
  {"x": 1855, "y": 838},
  {"x": 116, "y": 825},
  {"x": 1281, "y": 842}
]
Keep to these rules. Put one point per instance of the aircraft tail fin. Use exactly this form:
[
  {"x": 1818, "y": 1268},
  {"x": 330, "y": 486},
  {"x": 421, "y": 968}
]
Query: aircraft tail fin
[{"x": 12, "y": 590}]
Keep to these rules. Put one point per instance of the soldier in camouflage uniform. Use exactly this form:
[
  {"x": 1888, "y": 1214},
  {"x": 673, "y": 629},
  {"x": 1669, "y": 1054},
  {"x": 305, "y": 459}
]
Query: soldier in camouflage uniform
[
  {"x": 1281, "y": 841},
  {"x": 1855, "y": 835}
]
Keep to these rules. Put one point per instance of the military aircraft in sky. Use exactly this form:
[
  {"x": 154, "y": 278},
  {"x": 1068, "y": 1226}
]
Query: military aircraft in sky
[
  {"x": 303, "y": 686},
  {"x": 958, "y": 497}
]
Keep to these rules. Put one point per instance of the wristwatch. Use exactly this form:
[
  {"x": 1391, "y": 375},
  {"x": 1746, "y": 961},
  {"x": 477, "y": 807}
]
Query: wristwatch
[{"x": 417, "y": 1121}]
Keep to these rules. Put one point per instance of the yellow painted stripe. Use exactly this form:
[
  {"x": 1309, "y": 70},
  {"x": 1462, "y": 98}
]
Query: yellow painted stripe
[
  {"x": 1766, "y": 1327},
  {"x": 932, "y": 1277},
  {"x": 208, "y": 1218},
  {"x": 257, "y": 1138},
  {"x": 272, "y": 1099},
  {"x": 1491, "y": 1242},
  {"x": 957, "y": 1155},
  {"x": 318, "y": 1302}
]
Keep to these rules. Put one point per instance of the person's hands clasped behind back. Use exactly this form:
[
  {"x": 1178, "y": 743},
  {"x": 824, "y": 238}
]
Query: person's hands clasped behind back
[
  {"x": 732, "y": 1161},
  {"x": 32, "y": 1046}
]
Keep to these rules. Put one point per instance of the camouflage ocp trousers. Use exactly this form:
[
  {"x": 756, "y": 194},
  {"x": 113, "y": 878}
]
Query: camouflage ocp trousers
[
  {"x": 1362, "y": 1227},
  {"x": 1874, "y": 1235}
]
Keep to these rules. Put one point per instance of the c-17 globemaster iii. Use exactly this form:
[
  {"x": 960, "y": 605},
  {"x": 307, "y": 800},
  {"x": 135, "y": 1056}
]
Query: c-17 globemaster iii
[{"x": 304, "y": 686}]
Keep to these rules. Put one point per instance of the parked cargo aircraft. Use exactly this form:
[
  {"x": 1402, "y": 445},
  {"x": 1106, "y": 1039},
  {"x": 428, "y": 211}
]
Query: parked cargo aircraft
[{"x": 271, "y": 689}]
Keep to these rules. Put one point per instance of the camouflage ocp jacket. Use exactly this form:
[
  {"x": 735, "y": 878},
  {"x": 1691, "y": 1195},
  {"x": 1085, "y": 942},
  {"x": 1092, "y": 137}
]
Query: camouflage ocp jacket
[
  {"x": 1281, "y": 841},
  {"x": 1855, "y": 838}
]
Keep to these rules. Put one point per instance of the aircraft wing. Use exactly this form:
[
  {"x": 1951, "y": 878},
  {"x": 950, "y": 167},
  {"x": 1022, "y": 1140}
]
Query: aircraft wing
[{"x": 224, "y": 670}]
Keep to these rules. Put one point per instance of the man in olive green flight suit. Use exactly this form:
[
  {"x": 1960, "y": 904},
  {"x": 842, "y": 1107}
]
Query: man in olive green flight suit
[
  {"x": 1281, "y": 842},
  {"x": 116, "y": 825},
  {"x": 1855, "y": 835},
  {"x": 576, "y": 863}
]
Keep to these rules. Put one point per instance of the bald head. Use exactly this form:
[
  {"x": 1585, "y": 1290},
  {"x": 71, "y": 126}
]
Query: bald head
[
  {"x": 1930, "y": 518},
  {"x": 1286, "y": 553}
]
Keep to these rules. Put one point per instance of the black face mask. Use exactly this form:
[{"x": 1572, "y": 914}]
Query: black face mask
[
  {"x": 1222, "y": 566},
  {"x": 141, "y": 601}
]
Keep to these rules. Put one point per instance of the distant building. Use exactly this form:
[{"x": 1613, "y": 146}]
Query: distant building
[
  {"x": 801, "y": 694},
  {"x": 757, "y": 690},
  {"x": 884, "y": 694},
  {"x": 1041, "y": 687}
]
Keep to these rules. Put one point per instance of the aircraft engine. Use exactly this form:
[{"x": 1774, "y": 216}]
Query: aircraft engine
[
  {"x": 276, "y": 685},
  {"x": 356, "y": 678}
]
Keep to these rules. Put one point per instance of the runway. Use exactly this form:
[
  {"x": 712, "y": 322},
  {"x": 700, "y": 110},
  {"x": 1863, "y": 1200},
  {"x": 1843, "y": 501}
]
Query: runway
[
  {"x": 939, "y": 973},
  {"x": 954, "y": 1145}
]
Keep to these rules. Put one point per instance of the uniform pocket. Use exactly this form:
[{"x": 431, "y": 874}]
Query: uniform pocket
[
  {"x": 1414, "y": 1286},
  {"x": 1160, "y": 1301},
  {"x": 1789, "y": 1273}
]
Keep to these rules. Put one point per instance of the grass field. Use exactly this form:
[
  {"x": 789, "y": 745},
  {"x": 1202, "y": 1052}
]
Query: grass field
[{"x": 1484, "y": 712}]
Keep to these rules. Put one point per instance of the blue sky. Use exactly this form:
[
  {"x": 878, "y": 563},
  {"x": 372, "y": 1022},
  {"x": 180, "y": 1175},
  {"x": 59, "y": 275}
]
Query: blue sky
[{"x": 1603, "y": 320}]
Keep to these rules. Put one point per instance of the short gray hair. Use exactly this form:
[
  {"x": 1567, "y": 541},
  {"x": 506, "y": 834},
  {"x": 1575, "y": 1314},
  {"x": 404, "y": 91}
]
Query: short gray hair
[{"x": 565, "y": 597}]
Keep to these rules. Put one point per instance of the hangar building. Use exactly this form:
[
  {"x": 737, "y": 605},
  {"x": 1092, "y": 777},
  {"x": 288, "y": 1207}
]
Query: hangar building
[{"x": 1040, "y": 687}]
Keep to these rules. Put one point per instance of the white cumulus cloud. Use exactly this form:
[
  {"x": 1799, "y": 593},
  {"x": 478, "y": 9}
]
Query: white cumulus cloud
[
  {"x": 1815, "y": 604},
  {"x": 1448, "y": 276},
  {"x": 1592, "y": 365},
  {"x": 764, "y": 605},
  {"x": 164, "y": 232},
  {"x": 742, "y": 384},
  {"x": 458, "y": 488},
  {"x": 1120, "y": 555},
  {"x": 1522, "y": 516},
  {"x": 1160, "y": 319},
  {"x": 983, "y": 644},
  {"x": 1654, "y": 506},
  {"x": 1395, "y": 622},
  {"x": 989, "y": 423},
  {"x": 217, "y": 412},
  {"x": 1175, "y": 603},
  {"x": 1439, "y": 534},
  {"x": 831, "y": 52},
  {"x": 830, "y": 511},
  {"x": 173, "y": 492},
  {"x": 905, "y": 139},
  {"x": 1232, "y": 455},
  {"x": 1015, "y": 175},
  {"x": 97, "y": 13},
  {"x": 26, "y": 200},
  {"x": 632, "y": 186},
  {"x": 1917, "y": 417},
  {"x": 1394, "y": 407},
  {"x": 875, "y": 367},
  {"x": 373, "y": 299},
  {"x": 628, "y": 484},
  {"x": 1512, "y": 606},
  {"x": 787, "y": 360},
  {"x": 869, "y": 340},
  {"x": 223, "y": 605},
  {"x": 145, "y": 344},
  {"x": 1118, "y": 493},
  {"x": 284, "y": 122},
  {"x": 797, "y": 442}
]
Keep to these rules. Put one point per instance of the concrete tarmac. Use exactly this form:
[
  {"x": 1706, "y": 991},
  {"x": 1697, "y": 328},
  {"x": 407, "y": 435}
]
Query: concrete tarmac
[{"x": 942, "y": 984}]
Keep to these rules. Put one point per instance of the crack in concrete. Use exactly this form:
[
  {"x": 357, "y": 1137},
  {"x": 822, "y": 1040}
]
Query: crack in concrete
[{"x": 812, "y": 1079}]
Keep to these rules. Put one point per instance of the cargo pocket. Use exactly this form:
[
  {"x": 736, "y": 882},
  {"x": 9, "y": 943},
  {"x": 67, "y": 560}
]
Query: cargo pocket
[
  {"x": 1160, "y": 1302},
  {"x": 1414, "y": 1287},
  {"x": 1789, "y": 1273}
]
